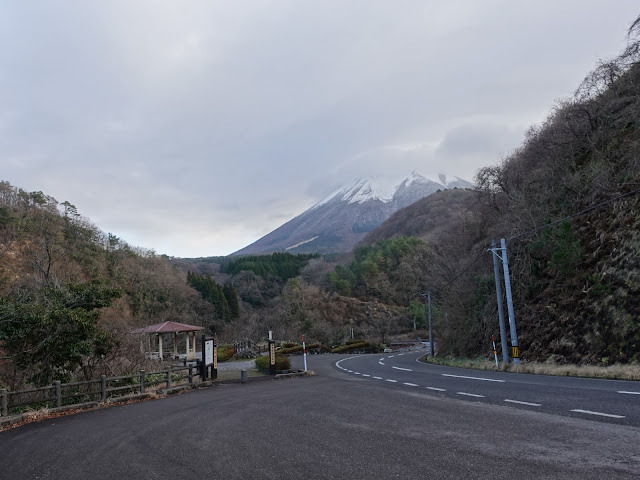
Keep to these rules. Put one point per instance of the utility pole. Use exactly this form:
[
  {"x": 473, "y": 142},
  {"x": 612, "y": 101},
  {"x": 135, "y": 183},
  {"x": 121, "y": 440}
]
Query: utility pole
[
  {"x": 515, "y": 349},
  {"x": 503, "y": 332},
  {"x": 430, "y": 330}
]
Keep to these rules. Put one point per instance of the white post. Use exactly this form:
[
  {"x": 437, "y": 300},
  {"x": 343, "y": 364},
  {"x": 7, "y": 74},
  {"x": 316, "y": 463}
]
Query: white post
[
  {"x": 270, "y": 335},
  {"x": 175, "y": 344},
  {"x": 160, "y": 345},
  {"x": 187, "y": 351},
  {"x": 304, "y": 352}
]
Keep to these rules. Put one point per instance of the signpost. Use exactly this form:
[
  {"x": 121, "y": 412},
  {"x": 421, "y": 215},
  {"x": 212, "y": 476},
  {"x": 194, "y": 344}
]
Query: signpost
[
  {"x": 209, "y": 358},
  {"x": 272, "y": 354}
]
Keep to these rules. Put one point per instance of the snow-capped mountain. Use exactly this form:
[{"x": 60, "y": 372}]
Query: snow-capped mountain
[{"x": 339, "y": 221}]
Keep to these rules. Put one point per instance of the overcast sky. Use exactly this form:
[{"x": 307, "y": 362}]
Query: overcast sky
[{"x": 195, "y": 127}]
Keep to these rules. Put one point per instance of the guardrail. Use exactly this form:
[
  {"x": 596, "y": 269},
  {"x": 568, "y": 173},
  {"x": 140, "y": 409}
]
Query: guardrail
[{"x": 65, "y": 394}]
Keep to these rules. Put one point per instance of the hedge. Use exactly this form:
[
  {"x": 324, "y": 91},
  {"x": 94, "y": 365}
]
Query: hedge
[{"x": 282, "y": 363}]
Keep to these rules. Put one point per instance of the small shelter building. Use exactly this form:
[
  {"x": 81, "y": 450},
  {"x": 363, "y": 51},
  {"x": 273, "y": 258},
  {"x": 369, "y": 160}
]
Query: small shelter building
[{"x": 171, "y": 328}]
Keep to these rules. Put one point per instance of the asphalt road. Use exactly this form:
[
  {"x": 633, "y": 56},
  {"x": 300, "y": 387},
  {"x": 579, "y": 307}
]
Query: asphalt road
[
  {"x": 334, "y": 425},
  {"x": 612, "y": 401}
]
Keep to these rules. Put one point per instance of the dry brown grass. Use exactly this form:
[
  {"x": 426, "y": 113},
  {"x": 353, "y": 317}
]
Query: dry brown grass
[{"x": 615, "y": 372}]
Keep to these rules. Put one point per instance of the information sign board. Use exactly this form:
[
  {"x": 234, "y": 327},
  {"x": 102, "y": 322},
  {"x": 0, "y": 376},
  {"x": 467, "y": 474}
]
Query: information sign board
[{"x": 208, "y": 352}]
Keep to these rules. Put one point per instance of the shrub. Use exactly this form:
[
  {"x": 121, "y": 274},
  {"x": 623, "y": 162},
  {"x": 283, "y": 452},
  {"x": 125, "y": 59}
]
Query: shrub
[
  {"x": 225, "y": 352},
  {"x": 360, "y": 346},
  {"x": 292, "y": 349},
  {"x": 282, "y": 363}
]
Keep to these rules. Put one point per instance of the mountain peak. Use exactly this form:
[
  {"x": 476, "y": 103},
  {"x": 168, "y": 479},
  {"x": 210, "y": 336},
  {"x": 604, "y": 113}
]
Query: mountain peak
[
  {"x": 340, "y": 220},
  {"x": 367, "y": 189}
]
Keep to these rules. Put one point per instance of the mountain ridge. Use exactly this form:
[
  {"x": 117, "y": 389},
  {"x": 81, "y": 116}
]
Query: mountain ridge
[{"x": 342, "y": 219}]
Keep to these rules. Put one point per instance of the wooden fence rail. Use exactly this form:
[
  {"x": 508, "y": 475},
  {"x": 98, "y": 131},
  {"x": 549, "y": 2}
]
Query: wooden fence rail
[{"x": 93, "y": 390}]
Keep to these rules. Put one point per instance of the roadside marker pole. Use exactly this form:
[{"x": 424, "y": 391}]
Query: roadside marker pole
[
  {"x": 495, "y": 353},
  {"x": 304, "y": 351}
]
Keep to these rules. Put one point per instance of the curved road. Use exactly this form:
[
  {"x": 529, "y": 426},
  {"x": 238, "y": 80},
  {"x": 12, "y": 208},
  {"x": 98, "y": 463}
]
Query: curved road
[
  {"x": 343, "y": 425},
  {"x": 613, "y": 401}
]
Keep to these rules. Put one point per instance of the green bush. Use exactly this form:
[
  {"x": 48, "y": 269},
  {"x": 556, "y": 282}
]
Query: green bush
[
  {"x": 225, "y": 352},
  {"x": 366, "y": 346},
  {"x": 291, "y": 349},
  {"x": 282, "y": 363}
]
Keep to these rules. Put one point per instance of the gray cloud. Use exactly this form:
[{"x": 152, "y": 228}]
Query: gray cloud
[{"x": 195, "y": 127}]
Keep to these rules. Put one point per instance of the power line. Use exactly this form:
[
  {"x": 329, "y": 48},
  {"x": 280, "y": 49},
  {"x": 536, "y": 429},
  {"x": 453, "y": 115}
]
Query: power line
[
  {"x": 549, "y": 225},
  {"x": 573, "y": 215}
]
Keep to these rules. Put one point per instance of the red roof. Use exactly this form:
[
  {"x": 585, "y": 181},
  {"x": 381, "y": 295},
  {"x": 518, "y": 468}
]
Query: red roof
[{"x": 168, "y": 327}]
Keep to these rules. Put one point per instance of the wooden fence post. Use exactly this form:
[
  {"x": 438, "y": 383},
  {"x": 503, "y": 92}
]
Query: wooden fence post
[
  {"x": 58, "y": 389},
  {"x": 190, "y": 374},
  {"x": 143, "y": 378},
  {"x": 103, "y": 388},
  {"x": 3, "y": 403}
]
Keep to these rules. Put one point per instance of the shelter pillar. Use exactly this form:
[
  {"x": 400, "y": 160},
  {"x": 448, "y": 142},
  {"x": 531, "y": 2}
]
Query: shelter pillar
[
  {"x": 160, "y": 345},
  {"x": 175, "y": 345}
]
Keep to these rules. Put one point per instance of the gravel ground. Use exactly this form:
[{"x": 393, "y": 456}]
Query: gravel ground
[{"x": 239, "y": 365}]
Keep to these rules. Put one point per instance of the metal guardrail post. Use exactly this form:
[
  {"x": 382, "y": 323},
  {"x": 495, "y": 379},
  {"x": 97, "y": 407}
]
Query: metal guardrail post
[
  {"x": 143, "y": 377},
  {"x": 58, "y": 389},
  {"x": 168, "y": 378},
  {"x": 103, "y": 388},
  {"x": 3, "y": 403}
]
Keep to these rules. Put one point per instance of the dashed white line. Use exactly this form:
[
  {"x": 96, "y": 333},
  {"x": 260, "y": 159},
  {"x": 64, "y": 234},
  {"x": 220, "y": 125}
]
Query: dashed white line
[
  {"x": 403, "y": 369},
  {"x": 589, "y": 412},
  {"x": 470, "y": 394},
  {"x": 350, "y": 371},
  {"x": 381, "y": 359},
  {"x": 391, "y": 356},
  {"x": 356, "y": 373},
  {"x": 519, "y": 402},
  {"x": 473, "y": 378},
  {"x": 436, "y": 389},
  {"x": 365, "y": 375},
  {"x": 629, "y": 393},
  {"x": 381, "y": 363},
  {"x": 410, "y": 384},
  {"x": 377, "y": 378},
  {"x": 390, "y": 380}
]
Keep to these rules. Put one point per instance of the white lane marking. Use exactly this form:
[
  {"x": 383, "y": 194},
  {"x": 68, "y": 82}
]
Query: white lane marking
[
  {"x": 377, "y": 378},
  {"x": 629, "y": 393},
  {"x": 356, "y": 373},
  {"x": 381, "y": 363},
  {"x": 381, "y": 359},
  {"x": 400, "y": 354},
  {"x": 404, "y": 369},
  {"x": 589, "y": 412},
  {"x": 350, "y": 371},
  {"x": 523, "y": 403},
  {"x": 391, "y": 356},
  {"x": 436, "y": 389},
  {"x": 470, "y": 394},
  {"x": 390, "y": 380},
  {"x": 365, "y": 375},
  {"x": 473, "y": 378},
  {"x": 410, "y": 384}
]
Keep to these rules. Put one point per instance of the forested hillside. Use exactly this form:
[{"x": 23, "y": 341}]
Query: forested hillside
[
  {"x": 567, "y": 202},
  {"x": 70, "y": 294}
]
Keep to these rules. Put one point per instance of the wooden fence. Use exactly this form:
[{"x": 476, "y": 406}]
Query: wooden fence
[{"x": 76, "y": 393}]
